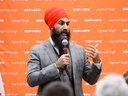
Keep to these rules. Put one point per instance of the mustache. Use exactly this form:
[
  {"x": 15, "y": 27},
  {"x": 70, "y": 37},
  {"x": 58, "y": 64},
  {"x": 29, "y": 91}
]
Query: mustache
[{"x": 66, "y": 32}]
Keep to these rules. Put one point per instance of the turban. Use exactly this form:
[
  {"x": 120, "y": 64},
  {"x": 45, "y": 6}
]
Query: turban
[{"x": 53, "y": 14}]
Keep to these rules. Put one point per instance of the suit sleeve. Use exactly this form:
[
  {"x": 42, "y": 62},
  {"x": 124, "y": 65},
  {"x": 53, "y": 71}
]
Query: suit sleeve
[
  {"x": 37, "y": 75},
  {"x": 91, "y": 73}
]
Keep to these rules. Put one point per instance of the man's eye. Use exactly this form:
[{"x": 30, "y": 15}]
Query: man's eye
[
  {"x": 67, "y": 24},
  {"x": 61, "y": 23}
]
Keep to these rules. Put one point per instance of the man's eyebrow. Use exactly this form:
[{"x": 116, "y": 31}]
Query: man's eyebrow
[{"x": 64, "y": 21}]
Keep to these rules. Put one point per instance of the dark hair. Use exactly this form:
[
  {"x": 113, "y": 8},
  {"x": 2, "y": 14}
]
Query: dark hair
[
  {"x": 125, "y": 75},
  {"x": 58, "y": 89}
]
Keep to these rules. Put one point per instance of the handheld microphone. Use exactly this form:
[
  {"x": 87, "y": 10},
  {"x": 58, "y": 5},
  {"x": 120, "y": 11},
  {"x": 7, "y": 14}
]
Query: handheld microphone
[{"x": 65, "y": 43}]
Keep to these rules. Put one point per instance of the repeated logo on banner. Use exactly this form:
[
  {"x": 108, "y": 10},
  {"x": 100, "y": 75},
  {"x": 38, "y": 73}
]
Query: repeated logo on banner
[{"x": 102, "y": 22}]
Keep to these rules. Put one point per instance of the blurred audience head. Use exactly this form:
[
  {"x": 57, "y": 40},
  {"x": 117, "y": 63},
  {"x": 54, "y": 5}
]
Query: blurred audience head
[
  {"x": 126, "y": 76},
  {"x": 112, "y": 85},
  {"x": 58, "y": 88}
]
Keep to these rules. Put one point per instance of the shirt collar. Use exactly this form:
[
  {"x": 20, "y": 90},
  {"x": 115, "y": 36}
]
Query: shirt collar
[
  {"x": 51, "y": 41},
  {"x": 53, "y": 44}
]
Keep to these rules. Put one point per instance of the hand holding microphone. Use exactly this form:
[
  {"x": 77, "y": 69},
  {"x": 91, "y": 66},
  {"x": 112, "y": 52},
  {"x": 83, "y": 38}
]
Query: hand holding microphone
[
  {"x": 65, "y": 43},
  {"x": 64, "y": 59}
]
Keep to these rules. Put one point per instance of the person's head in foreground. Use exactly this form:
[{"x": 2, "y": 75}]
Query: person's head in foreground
[
  {"x": 125, "y": 75},
  {"x": 57, "y": 20},
  {"x": 112, "y": 85},
  {"x": 57, "y": 88}
]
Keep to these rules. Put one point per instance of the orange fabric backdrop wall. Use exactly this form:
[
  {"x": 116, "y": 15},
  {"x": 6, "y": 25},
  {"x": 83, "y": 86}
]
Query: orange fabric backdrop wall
[{"x": 102, "y": 22}]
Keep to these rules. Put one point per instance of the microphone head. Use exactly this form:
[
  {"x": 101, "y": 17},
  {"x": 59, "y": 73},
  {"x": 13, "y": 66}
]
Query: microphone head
[{"x": 65, "y": 42}]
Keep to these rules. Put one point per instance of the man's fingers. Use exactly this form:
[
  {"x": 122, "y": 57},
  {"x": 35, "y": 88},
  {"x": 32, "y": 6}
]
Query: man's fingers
[
  {"x": 66, "y": 61},
  {"x": 96, "y": 46},
  {"x": 89, "y": 52},
  {"x": 90, "y": 49},
  {"x": 89, "y": 55},
  {"x": 91, "y": 46},
  {"x": 66, "y": 55}
]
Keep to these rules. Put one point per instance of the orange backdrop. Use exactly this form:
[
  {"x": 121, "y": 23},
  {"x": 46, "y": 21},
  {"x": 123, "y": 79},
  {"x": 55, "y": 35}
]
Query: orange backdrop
[{"x": 102, "y": 22}]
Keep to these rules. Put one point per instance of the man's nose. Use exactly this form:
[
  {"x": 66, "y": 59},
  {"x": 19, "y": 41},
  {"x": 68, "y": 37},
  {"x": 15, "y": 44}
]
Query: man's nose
[{"x": 65, "y": 26}]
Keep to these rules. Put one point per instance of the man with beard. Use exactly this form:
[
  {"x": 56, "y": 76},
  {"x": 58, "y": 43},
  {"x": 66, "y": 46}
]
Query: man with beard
[{"x": 47, "y": 63}]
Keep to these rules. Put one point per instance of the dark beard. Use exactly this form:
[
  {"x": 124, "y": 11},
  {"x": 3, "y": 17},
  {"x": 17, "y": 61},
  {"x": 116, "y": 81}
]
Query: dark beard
[{"x": 57, "y": 38}]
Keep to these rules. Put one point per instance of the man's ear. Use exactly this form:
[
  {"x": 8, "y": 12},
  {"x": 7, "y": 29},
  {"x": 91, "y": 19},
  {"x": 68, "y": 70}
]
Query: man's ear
[{"x": 51, "y": 30}]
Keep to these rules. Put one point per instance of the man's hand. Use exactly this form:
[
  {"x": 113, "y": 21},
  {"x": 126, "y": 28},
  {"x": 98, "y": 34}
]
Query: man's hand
[
  {"x": 93, "y": 53},
  {"x": 62, "y": 61}
]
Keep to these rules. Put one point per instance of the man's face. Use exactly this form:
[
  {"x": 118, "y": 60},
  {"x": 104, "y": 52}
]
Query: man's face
[{"x": 60, "y": 31}]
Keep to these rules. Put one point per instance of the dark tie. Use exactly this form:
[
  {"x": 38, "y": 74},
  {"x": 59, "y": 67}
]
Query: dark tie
[
  {"x": 60, "y": 51},
  {"x": 65, "y": 68}
]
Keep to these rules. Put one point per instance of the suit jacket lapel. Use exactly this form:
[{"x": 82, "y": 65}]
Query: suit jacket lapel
[
  {"x": 50, "y": 51},
  {"x": 53, "y": 55},
  {"x": 73, "y": 58}
]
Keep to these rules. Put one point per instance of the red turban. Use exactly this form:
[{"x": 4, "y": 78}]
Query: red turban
[{"x": 53, "y": 14}]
